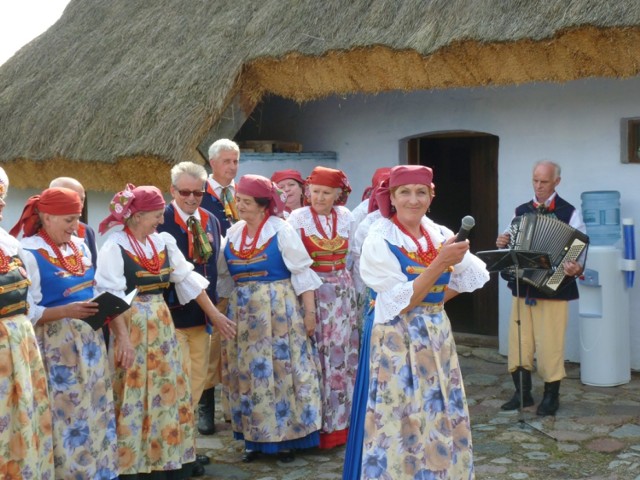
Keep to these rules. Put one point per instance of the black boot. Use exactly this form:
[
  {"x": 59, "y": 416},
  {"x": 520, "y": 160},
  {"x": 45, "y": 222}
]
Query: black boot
[
  {"x": 551, "y": 400},
  {"x": 206, "y": 412},
  {"x": 527, "y": 399}
]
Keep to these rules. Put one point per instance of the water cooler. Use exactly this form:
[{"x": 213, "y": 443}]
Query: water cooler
[{"x": 604, "y": 293}]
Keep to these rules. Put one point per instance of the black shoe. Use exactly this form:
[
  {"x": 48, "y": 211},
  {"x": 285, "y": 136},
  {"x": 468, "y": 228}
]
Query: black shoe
[
  {"x": 203, "y": 459},
  {"x": 206, "y": 412},
  {"x": 551, "y": 400},
  {"x": 197, "y": 470},
  {"x": 250, "y": 455},
  {"x": 514, "y": 403},
  {"x": 286, "y": 456},
  {"x": 527, "y": 399}
]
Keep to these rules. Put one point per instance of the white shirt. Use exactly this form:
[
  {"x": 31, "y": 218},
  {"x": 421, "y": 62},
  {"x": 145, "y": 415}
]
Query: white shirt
[
  {"x": 381, "y": 271},
  {"x": 36, "y": 242},
  {"x": 183, "y": 215},
  {"x": 218, "y": 188},
  {"x": 110, "y": 266},
  {"x": 360, "y": 212}
]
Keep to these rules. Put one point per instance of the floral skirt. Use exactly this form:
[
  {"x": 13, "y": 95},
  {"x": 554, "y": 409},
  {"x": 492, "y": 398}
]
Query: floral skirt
[
  {"x": 26, "y": 444},
  {"x": 270, "y": 369},
  {"x": 338, "y": 340},
  {"x": 153, "y": 397},
  {"x": 79, "y": 376},
  {"x": 417, "y": 422}
]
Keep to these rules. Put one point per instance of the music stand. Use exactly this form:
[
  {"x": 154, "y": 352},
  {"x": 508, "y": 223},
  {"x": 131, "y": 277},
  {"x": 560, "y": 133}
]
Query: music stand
[{"x": 514, "y": 262}]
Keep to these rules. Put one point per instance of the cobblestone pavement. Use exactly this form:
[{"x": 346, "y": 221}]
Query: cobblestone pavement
[{"x": 595, "y": 434}]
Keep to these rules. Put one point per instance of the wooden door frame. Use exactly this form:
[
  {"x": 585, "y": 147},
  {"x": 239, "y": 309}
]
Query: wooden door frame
[{"x": 483, "y": 165}]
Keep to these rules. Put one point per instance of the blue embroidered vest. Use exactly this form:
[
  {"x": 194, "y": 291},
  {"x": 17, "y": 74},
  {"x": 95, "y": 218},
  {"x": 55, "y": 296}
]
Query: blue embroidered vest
[
  {"x": 58, "y": 286},
  {"x": 411, "y": 268},
  {"x": 266, "y": 265}
]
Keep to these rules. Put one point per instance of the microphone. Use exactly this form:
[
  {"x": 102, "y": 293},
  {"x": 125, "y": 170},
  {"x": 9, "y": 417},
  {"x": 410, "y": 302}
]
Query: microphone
[{"x": 467, "y": 224}]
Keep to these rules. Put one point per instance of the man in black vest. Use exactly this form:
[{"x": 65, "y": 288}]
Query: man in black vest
[
  {"x": 219, "y": 198},
  {"x": 543, "y": 318},
  {"x": 197, "y": 234}
]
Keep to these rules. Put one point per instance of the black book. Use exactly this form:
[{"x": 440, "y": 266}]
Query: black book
[{"x": 109, "y": 306}]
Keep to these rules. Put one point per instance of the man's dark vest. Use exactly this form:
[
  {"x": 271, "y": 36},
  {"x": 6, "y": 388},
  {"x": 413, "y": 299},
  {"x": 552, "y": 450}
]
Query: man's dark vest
[
  {"x": 213, "y": 205},
  {"x": 563, "y": 211},
  {"x": 191, "y": 315}
]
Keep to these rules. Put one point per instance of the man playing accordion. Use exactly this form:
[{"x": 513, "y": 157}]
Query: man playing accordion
[{"x": 543, "y": 317}]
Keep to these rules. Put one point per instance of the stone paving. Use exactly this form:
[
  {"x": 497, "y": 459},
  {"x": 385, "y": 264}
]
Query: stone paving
[{"x": 595, "y": 434}]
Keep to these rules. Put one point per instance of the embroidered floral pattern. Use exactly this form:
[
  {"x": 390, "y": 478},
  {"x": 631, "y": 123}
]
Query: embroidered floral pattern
[
  {"x": 270, "y": 370},
  {"x": 26, "y": 444},
  {"x": 417, "y": 422}
]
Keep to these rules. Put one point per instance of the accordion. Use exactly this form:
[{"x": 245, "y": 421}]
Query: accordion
[{"x": 542, "y": 233}]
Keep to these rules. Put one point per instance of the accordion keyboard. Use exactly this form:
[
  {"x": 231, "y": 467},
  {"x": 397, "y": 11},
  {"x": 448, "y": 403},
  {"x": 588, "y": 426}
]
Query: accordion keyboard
[{"x": 573, "y": 253}]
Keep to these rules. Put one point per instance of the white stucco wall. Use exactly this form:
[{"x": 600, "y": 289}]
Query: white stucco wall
[{"x": 575, "y": 124}]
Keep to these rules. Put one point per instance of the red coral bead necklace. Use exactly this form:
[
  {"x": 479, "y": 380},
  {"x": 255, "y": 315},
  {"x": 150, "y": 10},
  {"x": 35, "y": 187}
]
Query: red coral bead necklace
[{"x": 78, "y": 269}]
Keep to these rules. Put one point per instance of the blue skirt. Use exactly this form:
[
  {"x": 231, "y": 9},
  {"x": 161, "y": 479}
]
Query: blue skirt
[
  {"x": 353, "y": 454},
  {"x": 310, "y": 441}
]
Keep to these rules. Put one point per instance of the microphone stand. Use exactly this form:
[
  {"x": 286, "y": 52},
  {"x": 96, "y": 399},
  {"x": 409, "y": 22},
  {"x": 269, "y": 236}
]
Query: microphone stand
[
  {"x": 521, "y": 421},
  {"x": 509, "y": 261}
]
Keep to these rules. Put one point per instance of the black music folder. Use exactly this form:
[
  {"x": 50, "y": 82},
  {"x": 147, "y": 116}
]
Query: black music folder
[
  {"x": 109, "y": 306},
  {"x": 509, "y": 260}
]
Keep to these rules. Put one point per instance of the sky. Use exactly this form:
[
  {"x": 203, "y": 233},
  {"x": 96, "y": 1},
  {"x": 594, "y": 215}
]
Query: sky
[{"x": 23, "y": 20}]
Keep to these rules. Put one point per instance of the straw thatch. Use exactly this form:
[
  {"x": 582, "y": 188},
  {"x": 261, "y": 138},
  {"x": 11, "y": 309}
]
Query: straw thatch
[{"x": 141, "y": 84}]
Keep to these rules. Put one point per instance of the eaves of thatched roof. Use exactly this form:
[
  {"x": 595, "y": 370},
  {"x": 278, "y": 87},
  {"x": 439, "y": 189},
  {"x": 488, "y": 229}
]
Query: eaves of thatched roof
[{"x": 143, "y": 83}]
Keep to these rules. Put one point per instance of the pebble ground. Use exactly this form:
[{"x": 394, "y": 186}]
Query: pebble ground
[{"x": 595, "y": 434}]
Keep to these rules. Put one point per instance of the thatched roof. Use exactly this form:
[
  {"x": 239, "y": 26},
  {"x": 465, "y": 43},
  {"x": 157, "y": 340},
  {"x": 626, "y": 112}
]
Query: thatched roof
[{"x": 144, "y": 83}]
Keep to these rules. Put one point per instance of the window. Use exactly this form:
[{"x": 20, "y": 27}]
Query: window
[{"x": 630, "y": 140}]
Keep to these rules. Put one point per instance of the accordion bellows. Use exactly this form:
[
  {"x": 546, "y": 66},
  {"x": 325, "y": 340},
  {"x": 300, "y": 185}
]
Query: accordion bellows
[{"x": 543, "y": 233}]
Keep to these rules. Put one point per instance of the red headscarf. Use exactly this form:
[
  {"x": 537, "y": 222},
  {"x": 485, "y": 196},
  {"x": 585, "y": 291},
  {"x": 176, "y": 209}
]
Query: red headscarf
[
  {"x": 257, "y": 186},
  {"x": 132, "y": 199},
  {"x": 379, "y": 175},
  {"x": 54, "y": 201},
  {"x": 289, "y": 174},
  {"x": 330, "y": 177},
  {"x": 401, "y": 175}
]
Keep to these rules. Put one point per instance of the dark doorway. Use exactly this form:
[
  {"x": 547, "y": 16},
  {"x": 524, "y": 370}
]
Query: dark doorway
[{"x": 465, "y": 166}]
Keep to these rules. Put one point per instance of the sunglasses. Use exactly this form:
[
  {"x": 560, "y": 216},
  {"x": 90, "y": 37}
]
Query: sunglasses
[{"x": 195, "y": 193}]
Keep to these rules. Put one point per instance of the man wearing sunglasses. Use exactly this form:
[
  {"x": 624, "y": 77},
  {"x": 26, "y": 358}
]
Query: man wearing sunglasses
[{"x": 197, "y": 234}]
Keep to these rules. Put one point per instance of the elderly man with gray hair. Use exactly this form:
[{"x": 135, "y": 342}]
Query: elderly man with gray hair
[
  {"x": 197, "y": 234},
  {"x": 219, "y": 198}
]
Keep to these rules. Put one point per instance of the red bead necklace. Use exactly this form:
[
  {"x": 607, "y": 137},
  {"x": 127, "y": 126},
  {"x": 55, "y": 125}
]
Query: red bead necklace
[
  {"x": 247, "y": 250},
  {"x": 5, "y": 262},
  {"x": 151, "y": 265},
  {"x": 334, "y": 218},
  {"x": 78, "y": 269},
  {"x": 425, "y": 258}
]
